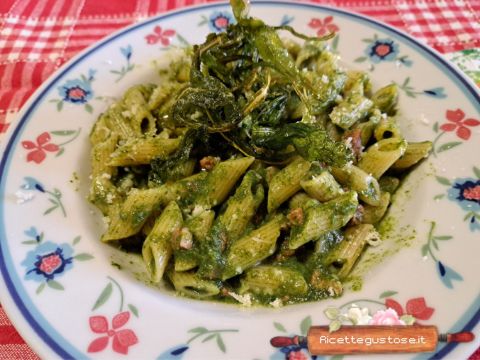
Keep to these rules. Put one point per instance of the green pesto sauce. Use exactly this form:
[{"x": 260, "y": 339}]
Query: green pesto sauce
[
  {"x": 139, "y": 216},
  {"x": 356, "y": 283}
]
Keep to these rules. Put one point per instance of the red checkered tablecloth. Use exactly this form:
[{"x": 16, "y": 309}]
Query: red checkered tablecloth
[{"x": 38, "y": 36}]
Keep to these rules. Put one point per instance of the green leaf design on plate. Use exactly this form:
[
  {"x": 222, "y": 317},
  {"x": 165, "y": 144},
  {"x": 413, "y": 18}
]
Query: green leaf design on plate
[
  {"x": 305, "y": 325},
  {"x": 439, "y": 196},
  {"x": 435, "y": 127},
  {"x": 469, "y": 214},
  {"x": 476, "y": 171},
  {"x": 89, "y": 108},
  {"x": 279, "y": 327},
  {"x": 49, "y": 210},
  {"x": 63, "y": 132},
  {"x": 336, "y": 357},
  {"x": 335, "y": 41},
  {"x": 40, "y": 288},
  {"x": 360, "y": 59},
  {"x": 443, "y": 237},
  {"x": 182, "y": 40},
  {"x": 331, "y": 313},
  {"x": 209, "y": 337},
  {"x": 60, "y": 105},
  {"x": 104, "y": 296},
  {"x": 448, "y": 146},
  {"x": 83, "y": 257},
  {"x": 133, "y": 309},
  {"x": 30, "y": 242},
  {"x": 199, "y": 330},
  {"x": 55, "y": 285},
  {"x": 424, "y": 250},
  {"x": 220, "y": 343},
  {"x": 60, "y": 152},
  {"x": 443, "y": 180},
  {"x": 76, "y": 240},
  {"x": 387, "y": 293}
]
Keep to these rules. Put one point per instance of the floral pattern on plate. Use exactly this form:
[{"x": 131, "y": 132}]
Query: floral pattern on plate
[
  {"x": 48, "y": 260},
  {"x": 447, "y": 274},
  {"x": 381, "y": 50},
  {"x": 77, "y": 91},
  {"x": 200, "y": 333},
  {"x": 31, "y": 186},
  {"x": 218, "y": 21},
  {"x": 458, "y": 123},
  {"x": 466, "y": 193},
  {"x": 323, "y": 26},
  {"x": 38, "y": 149},
  {"x": 122, "y": 338},
  {"x": 409, "y": 90},
  {"x": 126, "y": 52}
]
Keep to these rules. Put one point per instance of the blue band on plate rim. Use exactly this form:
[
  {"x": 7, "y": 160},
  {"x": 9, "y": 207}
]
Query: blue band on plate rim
[{"x": 50, "y": 336}]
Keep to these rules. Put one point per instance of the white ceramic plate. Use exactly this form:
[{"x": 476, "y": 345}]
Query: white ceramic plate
[{"x": 67, "y": 300}]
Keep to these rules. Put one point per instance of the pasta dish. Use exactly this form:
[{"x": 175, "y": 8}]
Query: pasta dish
[{"x": 255, "y": 171}]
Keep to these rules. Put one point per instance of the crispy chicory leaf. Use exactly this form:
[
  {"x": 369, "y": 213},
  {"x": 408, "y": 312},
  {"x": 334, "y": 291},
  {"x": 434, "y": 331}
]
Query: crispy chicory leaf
[
  {"x": 163, "y": 171},
  {"x": 311, "y": 142}
]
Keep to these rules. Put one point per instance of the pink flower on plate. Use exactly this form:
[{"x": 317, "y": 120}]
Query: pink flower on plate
[
  {"x": 39, "y": 148},
  {"x": 386, "y": 317},
  {"x": 459, "y": 124},
  {"x": 324, "y": 26},
  {"x": 160, "y": 35},
  {"x": 122, "y": 339}
]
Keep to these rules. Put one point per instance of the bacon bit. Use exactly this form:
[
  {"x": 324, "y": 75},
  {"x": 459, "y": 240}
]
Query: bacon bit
[
  {"x": 223, "y": 240},
  {"x": 295, "y": 216},
  {"x": 271, "y": 171},
  {"x": 257, "y": 219},
  {"x": 209, "y": 162},
  {"x": 356, "y": 141},
  {"x": 186, "y": 239},
  {"x": 358, "y": 216},
  {"x": 319, "y": 282},
  {"x": 284, "y": 254},
  {"x": 224, "y": 292}
]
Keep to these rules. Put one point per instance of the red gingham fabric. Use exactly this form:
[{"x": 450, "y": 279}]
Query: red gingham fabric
[{"x": 38, "y": 36}]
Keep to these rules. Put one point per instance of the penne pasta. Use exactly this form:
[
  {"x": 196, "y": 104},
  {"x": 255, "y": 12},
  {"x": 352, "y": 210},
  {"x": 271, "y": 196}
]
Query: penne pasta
[
  {"x": 343, "y": 257},
  {"x": 273, "y": 280},
  {"x": 381, "y": 156},
  {"x": 252, "y": 248},
  {"x": 286, "y": 183},
  {"x": 414, "y": 153},
  {"x": 139, "y": 151},
  {"x": 323, "y": 218},
  {"x": 157, "y": 248},
  {"x": 364, "y": 184}
]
